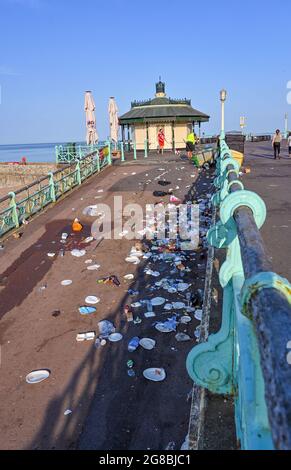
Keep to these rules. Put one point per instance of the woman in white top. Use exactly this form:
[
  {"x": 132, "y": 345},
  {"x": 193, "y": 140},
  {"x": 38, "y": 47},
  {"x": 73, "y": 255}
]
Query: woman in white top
[
  {"x": 276, "y": 142},
  {"x": 289, "y": 144}
]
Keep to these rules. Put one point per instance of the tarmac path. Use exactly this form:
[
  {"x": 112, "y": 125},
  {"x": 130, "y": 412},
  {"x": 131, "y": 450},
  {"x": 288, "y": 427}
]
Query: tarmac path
[
  {"x": 271, "y": 179},
  {"x": 39, "y": 320}
]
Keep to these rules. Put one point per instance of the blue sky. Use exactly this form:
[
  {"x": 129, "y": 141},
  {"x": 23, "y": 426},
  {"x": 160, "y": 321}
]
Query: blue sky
[{"x": 51, "y": 51}]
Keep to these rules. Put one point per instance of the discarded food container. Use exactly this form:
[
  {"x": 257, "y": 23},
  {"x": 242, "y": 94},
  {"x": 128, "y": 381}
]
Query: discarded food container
[
  {"x": 155, "y": 374},
  {"x": 91, "y": 299},
  {"x": 89, "y": 336},
  {"x": 66, "y": 282},
  {"x": 85, "y": 310},
  {"x": 37, "y": 376},
  {"x": 106, "y": 328},
  {"x": 114, "y": 337},
  {"x": 76, "y": 226},
  {"x": 147, "y": 343},
  {"x": 133, "y": 344}
]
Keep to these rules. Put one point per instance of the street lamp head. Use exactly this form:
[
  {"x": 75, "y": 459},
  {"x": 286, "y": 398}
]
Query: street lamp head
[{"x": 222, "y": 95}]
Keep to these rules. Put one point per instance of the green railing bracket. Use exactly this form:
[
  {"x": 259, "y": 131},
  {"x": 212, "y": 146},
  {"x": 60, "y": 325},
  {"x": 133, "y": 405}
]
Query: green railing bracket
[
  {"x": 210, "y": 364},
  {"x": 218, "y": 236},
  {"x": 243, "y": 198},
  {"x": 263, "y": 280},
  {"x": 234, "y": 182},
  {"x": 228, "y": 161}
]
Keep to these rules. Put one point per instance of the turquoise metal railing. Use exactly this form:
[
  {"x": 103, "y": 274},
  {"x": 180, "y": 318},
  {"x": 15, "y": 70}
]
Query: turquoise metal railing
[
  {"x": 247, "y": 358},
  {"x": 18, "y": 206},
  {"x": 71, "y": 152}
]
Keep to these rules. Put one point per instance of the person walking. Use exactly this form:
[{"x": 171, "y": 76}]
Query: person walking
[
  {"x": 289, "y": 144},
  {"x": 276, "y": 142},
  {"x": 161, "y": 140},
  {"x": 190, "y": 144}
]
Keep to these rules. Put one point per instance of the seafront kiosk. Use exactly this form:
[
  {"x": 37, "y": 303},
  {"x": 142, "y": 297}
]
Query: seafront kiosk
[{"x": 176, "y": 117}]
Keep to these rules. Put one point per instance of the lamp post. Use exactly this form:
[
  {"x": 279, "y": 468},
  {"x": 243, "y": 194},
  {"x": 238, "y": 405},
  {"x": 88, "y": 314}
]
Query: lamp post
[{"x": 222, "y": 99}]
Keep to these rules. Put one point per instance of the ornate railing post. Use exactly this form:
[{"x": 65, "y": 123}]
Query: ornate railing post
[
  {"x": 78, "y": 170},
  {"x": 57, "y": 154},
  {"x": 52, "y": 186},
  {"x": 145, "y": 148},
  {"x": 98, "y": 160},
  {"x": 13, "y": 206},
  {"x": 122, "y": 151}
]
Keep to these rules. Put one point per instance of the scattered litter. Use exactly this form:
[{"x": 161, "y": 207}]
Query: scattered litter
[
  {"x": 114, "y": 337},
  {"x": 77, "y": 226},
  {"x": 164, "y": 183},
  {"x": 56, "y": 313},
  {"x": 88, "y": 261},
  {"x": 162, "y": 193},
  {"x": 158, "y": 301},
  {"x": 64, "y": 236},
  {"x": 133, "y": 344},
  {"x": 128, "y": 277},
  {"x": 93, "y": 267},
  {"x": 51, "y": 255},
  {"x": 17, "y": 235},
  {"x": 106, "y": 328},
  {"x": 128, "y": 313},
  {"x": 147, "y": 343},
  {"x": 66, "y": 282},
  {"x": 67, "y": 412},
  {"x": 155, "y": 374},
  {"x": 89, "y": 336},
  {"x": 197, "y": 332},
  {"x": 131, "y": 373},
  {"x": 37, "y": 376},
  {"x": 78, "y": 253},
  {"x": 132, "y": 259},
  {"x": 149, "y": 314},
  {"x": 168, "y": 307},
  {"x": 185, "y": 319},
  {"x": 175, "y": 199},
  {"x": 137, "y": 320},
  {"x": 85, "y": 310},
  {"x": 136, "y": 305},
  {"x": 167, "y": 326},
  {"x": 132, "y": 292},
  {"x": 149, "y": 272},
  {"x": 198, "y": 315},
  {"x": 130, "y": 363},
  {"x": 91, "y": 299},
  {"x": 88, "y": 239},
  {"x": 91, "y": 211},
  {"x": 178, "y": 305},
  {"x": 171, "y": 446},
  {"x": 181, "y": 337},
  {"x": 109, "y": 280}
]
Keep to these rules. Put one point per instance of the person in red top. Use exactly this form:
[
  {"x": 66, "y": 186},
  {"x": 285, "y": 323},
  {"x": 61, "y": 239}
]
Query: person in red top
[{"x": 161, "y": 140}]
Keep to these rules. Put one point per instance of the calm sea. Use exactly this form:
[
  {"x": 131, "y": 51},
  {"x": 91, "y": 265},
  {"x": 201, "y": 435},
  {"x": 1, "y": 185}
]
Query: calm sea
[{"x": 32, "y": 152}]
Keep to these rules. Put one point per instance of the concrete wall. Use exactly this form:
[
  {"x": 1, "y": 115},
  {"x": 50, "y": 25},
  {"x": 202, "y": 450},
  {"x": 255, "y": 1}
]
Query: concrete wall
[{"x": 15, "y": 176}]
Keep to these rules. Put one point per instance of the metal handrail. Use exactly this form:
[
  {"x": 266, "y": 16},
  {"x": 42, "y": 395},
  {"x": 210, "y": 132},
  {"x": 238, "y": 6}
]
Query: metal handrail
[{"x": 247, "y": 358}]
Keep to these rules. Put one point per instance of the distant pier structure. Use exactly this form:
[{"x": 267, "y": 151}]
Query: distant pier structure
[{"x": 176, "y": 117}]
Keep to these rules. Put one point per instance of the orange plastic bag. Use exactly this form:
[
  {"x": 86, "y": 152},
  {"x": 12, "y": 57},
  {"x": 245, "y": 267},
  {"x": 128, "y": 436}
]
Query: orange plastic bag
[{"x": 76, "y": 226}]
